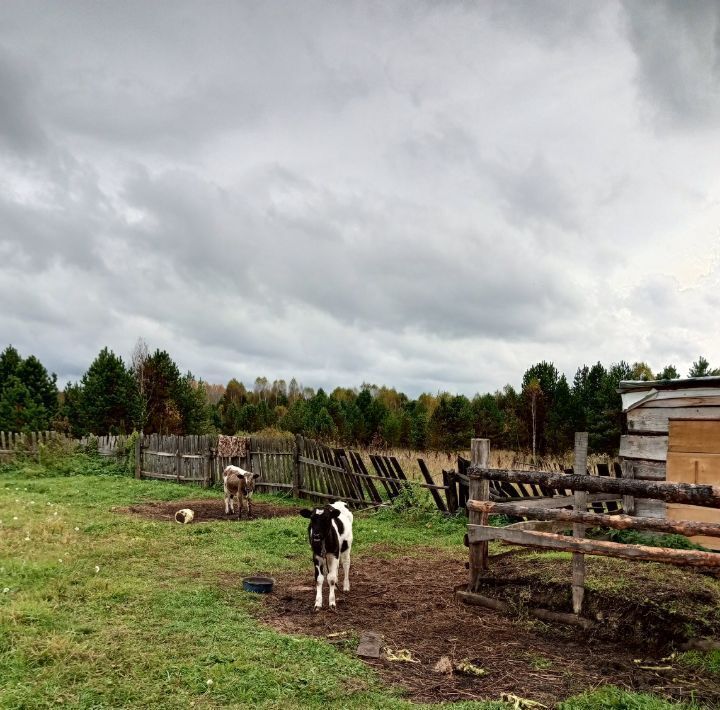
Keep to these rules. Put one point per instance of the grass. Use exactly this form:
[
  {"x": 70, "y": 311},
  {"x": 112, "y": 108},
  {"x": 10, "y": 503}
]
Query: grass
[{"x": 100, "y": 609}]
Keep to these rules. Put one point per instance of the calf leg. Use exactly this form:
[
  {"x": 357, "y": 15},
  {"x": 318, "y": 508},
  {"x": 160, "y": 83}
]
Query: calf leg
[
  {"x": 332, "y": 563},
  {"x": 227, "y": 504},
  {"x": 319, "y": 563},
  {"x": 345, "y": 559},
  {"x": 246, "y": 505}
]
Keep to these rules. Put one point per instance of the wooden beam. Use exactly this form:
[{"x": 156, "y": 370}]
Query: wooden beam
[
  {"x": 692, "y": 494},
  {"x": 479, "y": 489},
  {"x": 616, "y": 522},
  {"x": 579, "y": 504},
  {"x": 695, "y": 558}
]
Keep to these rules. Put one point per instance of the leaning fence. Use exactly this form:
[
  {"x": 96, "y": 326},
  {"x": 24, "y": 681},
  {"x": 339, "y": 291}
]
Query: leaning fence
[{"x": 554, "y": 509}]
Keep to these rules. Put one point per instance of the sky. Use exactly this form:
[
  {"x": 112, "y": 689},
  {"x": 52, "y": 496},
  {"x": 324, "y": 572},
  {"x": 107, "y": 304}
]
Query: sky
[{"x": 427, "y": 195}]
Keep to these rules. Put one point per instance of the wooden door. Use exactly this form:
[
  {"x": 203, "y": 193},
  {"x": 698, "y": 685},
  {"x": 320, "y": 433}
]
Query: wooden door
[{"x": 694, "y": 457}]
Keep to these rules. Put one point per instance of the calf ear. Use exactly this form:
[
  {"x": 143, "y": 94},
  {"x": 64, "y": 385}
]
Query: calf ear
[
  {"x": 256, "y": 476},
  {"x": 306, "y": 513}
]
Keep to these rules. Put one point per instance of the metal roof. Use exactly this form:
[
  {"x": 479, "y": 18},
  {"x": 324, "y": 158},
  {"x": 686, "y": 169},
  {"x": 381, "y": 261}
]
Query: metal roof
[{"x": 686, "y": 383}]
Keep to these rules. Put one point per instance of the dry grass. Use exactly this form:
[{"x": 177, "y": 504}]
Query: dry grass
[{"x": 437, "y": 461}]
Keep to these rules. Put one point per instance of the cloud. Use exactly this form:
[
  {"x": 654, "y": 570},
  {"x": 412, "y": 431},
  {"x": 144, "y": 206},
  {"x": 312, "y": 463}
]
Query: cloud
[
  {"x": 428, "y": 195},
  {"x": 678, "y": 51}
]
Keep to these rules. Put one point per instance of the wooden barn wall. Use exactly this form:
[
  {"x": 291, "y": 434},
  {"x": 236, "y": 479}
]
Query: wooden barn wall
[{"x": 644, "y": 449}]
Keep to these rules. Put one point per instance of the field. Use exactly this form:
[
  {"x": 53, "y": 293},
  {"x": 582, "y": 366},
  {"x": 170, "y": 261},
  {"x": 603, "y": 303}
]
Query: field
[{"x": 104, "y": 602}]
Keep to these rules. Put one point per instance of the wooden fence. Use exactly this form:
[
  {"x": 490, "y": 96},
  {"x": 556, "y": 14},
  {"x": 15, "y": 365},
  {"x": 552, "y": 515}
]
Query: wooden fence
[
  {"x": 303, "y": 467},
  {"x": 585, "y": 491},
  {"x": 31, "y": 443}
]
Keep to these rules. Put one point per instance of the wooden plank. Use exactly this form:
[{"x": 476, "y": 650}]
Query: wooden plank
[
  {"x": 688, "y": 436},
  {"x": 648, "y": 508},
  {"x": 650, "y": 448},
  {"x": 710, "y": 398},
  {"x": 552, "y": 541},
  {"x": 450, "y": 491},
  {"x": 678, "y": 525},
  {"x": 707, "y": 495},
  {"x": 433, "y": 491},
  {"x": 645, "y": 470},
  {"x": 656, "y": 419}
]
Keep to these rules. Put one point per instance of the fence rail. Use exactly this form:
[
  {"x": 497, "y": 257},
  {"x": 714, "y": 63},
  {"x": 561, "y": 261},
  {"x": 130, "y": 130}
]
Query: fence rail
[{"x": 582, "y": 486}]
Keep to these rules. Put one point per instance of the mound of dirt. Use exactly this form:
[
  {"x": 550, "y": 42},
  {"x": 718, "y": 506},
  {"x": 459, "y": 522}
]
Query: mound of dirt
[
  {"x": 205, "y": 509},
  {"x": 409, "y": 601},
  {"x": 639, "y": 604}
]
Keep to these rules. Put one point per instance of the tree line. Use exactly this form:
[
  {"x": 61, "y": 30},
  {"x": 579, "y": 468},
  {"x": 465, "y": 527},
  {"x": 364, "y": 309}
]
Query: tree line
[{"x": 150, "y": 393}]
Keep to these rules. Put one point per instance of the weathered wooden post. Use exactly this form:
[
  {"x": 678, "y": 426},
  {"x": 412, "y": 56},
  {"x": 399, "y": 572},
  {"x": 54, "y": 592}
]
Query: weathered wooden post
[
  {"x": 138, "y": 456},
  {"x": 297, "y": 471},
  {"x": 579, "y": 504},
  {"x": 479, "y": 490}
]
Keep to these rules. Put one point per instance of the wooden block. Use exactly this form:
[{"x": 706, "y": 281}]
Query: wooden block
[
  {"x": 656, "y": 419},
  {"x": 370, "y": 645},
  {"x": 693, "y": 436}
]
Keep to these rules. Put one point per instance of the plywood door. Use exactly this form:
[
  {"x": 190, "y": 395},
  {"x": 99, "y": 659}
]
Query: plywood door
[{"x": 694, "y": 457}]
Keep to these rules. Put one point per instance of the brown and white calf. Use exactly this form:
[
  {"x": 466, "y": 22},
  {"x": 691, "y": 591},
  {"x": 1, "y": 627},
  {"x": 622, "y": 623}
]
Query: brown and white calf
[
  {"x": 330, "y": 535},
  {"x": 239, "y": 484}
]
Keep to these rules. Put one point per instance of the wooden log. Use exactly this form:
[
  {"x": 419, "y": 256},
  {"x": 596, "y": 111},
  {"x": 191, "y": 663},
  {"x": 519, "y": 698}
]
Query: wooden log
[
  {"x": 616, "y": 522},
  {"x": 580, "y": 504},
  {"x": 694, "y": 558},
  {"x": 433, "y": 491},
  {"x": 544, "y": 614},
  {"x": 692, "y": 494},
  {"x": 479, "y": 490}
]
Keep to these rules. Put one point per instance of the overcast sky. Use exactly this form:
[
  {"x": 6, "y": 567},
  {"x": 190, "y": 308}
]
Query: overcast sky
[{"x": 428, "y": 195}]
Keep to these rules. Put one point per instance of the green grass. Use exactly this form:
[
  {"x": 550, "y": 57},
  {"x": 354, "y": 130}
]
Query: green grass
[
  {"x": 618, "y": 699},
  {"x": 99, "y": 609}
]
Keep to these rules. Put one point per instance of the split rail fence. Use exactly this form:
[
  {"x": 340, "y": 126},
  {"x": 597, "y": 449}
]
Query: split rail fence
[{"x": 561, "y": 510}]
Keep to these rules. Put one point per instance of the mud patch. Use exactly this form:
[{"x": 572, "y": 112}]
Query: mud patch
[
  {"x": 409, "y": 601},
  {"x": 205, "y": 509}
]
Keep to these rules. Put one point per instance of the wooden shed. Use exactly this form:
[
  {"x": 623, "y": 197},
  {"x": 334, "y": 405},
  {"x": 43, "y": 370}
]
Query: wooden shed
[{"x": 673, "y": 434}]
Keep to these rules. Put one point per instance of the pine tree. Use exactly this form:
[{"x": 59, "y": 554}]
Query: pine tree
[{"x": 109, "y": 402}]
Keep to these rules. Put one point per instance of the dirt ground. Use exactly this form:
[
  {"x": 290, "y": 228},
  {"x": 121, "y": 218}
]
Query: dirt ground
[
  {"x": 206, "y": 509},
  {"x": 409, "y": 602}
]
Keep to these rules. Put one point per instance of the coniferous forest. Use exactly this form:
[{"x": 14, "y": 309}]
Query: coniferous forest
[{"x": 149, "y": 392}]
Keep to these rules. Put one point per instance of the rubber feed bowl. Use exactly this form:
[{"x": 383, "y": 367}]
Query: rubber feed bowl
[{"x": 259, "y": 585}]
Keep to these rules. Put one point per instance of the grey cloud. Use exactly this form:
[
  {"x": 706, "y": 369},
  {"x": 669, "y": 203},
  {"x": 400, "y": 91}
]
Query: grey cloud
[
  {"x": 678, "y": 50},
  {"x": 20, "y": 130}
]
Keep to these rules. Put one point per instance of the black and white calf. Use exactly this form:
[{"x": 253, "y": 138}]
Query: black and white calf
[{"x": 330, "y": 535}]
